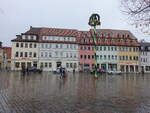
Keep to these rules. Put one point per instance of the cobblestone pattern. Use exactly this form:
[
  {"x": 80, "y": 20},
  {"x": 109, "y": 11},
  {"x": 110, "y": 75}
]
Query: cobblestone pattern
[{"x": 47, "y": 93}]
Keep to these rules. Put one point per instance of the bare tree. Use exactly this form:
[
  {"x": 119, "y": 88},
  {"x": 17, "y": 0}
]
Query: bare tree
[{"x": 138, "y": 12}]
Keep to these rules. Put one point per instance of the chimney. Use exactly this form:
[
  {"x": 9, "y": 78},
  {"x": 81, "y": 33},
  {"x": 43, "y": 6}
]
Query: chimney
[
  {"x": 31, "y": 27},
  {"x": 0, "y": 44}
]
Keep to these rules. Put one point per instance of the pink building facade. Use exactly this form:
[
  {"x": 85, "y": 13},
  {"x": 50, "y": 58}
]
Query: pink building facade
[{"x": 86, "y": 53}]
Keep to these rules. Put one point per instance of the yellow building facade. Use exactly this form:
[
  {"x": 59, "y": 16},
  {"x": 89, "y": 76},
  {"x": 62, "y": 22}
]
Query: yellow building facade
[{"x": 129, "y": 59}]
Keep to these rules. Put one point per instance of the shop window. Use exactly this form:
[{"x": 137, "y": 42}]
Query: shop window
[{"x": 17, "y": 64}]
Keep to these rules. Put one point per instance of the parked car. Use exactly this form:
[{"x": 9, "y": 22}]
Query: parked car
[
  {"x": 114, "y": 72},
  {"x": 34, "y": 69}
]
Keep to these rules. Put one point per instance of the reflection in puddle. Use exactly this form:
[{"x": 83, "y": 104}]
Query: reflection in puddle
[{"x": 79, "y": 93}]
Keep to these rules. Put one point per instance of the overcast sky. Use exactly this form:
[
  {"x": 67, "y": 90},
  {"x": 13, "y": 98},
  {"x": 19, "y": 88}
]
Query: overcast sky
[{"x": 16, "y": 16}]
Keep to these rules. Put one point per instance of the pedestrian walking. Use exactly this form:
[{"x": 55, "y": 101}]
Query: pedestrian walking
[
  {"x": 27, "y": 70},
  {"x": 61, "y": 72},
  {"x": 74, "y": 71},
  {"x": 23, "y": 70}
]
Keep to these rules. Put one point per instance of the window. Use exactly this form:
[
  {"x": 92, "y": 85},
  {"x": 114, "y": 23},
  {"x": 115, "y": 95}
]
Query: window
[
  {"x": 97, "y": 48},
  {"x": 104, "y": 48},
  {"x": 101, "y": 56},
  {"x": 42, "y": 54},
  {"x": 116, "y": 57},
  {"x": 130, "y": 57},
  {"x": 26, "y": 36},
  {"x": 46, "y": 64},
  {"x": 50, "y": 55},
  {"x": 97, "y": 57},
  {"x": 21, "y": 54},
  {"x": 89, "y": 57},
  {"x": 30, "y": 54},
  {"x": 123, "y": 57},
  {"x": 50, "y": 45},
  {"x": 84, "y": 56},
  {"x": 17, "y": 54},
  {"x": 34, "y": 55},
  {"x": 34, "y": 45},
  {"x": 41, "y": 65},
  {"x": 30, "y": 45},
  {"x": 46, "y": 54},
  {"x": 71, "y": 46},
  {"x": 42, "y": 45},
  {"x": 56, "y": 53},
  {"x": 31, "y": 37},
  {"x": 81, "y": 56},
  {"x": 21, "y": 44},
  {"x": 67, "y": 65},
  {"x": 75, "y": 65},
  {"x": 112, "y": 48},
  {"x": 147, "y": 68},
  {"x": 112, "y": 57},
  {"x": 26, "y": 45},
  {"x": 67, "y": 55},
  {"x": 105, "y": 57},
  {"x": 89, "y": 48},
  {"x": 137, "y": 58},
  {"x": 120, "y": 57},
  {"x": 109, "y": 57},
  {"x": 61, "y": 46},
  {"x": 75, "y": 56},
  {"x": 92, "y": 56},
  {"x": 26, "y": 54},
  {"x": 17, "y": 44},
  {"x": 46, "y": 45},
  {"x": 17, "y": 64},
  {"x": 71, "y": 66},
  {"x": 126, "y": 57},
  {"x": 108, "y": 48},
  {"x": 100, "y": 48},
  {"x": 70, "y": 55},
  {"x": 50, "y": 64}
]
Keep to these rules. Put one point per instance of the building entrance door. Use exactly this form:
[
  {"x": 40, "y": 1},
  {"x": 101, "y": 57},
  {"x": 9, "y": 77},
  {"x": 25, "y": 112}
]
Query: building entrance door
[
  {"x": 103, "y": 66},
  {"x": 58, "y": 64},
  {"x": 35, "y": 64}
]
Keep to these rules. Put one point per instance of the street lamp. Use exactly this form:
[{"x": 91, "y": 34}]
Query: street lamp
[{"x": 94, "y": 21}]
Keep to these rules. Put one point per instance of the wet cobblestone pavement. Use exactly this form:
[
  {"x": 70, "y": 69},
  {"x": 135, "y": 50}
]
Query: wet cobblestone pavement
[{"x": 80, "y": 93}]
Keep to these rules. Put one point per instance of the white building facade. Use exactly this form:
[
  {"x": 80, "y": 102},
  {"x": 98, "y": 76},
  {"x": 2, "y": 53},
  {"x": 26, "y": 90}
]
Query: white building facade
[
  {"x": 145, "y": 57},
  {"x": 56, "y": 51},
  {"x": 24, "y": 52},
  {"x": 45, "y": 48}
]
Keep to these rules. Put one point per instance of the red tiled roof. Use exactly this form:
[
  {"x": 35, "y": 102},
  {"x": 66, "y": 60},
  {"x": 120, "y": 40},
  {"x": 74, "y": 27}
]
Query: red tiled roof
[
  {"x": 114, "y": 33},
  {"x": 42, "y": 31},
  {"x": 52, "y": 32}
]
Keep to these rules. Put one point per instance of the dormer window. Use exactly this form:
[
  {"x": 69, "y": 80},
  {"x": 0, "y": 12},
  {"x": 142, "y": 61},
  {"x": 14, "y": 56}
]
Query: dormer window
[
  {"x": 26, "y": 36},
  {"x": 118, "y": 35},
  {"x": 31, "y": 37},
  {"x": 123, "y": 36}
]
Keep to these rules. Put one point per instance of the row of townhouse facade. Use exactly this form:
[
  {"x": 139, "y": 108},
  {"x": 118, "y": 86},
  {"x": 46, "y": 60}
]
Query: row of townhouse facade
[
  {"x": 50, "y": 48},
  {"x": 116, "y": 50},
  {"x": 5, "y": 57}
]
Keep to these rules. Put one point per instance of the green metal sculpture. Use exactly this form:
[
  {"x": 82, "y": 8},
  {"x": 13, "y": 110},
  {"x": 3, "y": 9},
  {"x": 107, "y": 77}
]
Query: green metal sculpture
[{"x": 93, "y": 22}]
